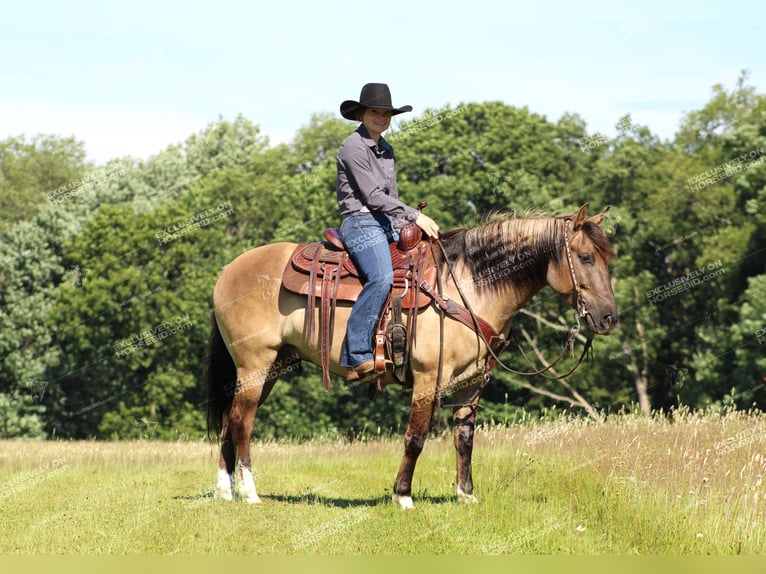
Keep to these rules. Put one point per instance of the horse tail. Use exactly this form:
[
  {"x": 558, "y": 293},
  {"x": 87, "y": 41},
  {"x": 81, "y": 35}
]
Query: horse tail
[{"x": 220, "y": 375}]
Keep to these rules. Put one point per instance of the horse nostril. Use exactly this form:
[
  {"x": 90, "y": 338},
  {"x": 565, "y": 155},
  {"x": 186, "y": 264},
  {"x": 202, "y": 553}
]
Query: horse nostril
[{"x": 606, "y": 321}]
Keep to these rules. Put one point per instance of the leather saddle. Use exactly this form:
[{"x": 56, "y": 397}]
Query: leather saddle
[
  {"x": 324, "y": 270},
  {"x": 310, "y": 263}
]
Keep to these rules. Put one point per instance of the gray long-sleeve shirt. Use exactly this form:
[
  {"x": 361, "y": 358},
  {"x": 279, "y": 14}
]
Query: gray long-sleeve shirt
[{"x": 367, "y": 178}]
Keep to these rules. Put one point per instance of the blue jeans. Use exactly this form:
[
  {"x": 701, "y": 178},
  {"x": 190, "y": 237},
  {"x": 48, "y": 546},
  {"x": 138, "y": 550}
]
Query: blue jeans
[{"x": 366, "y": 237}]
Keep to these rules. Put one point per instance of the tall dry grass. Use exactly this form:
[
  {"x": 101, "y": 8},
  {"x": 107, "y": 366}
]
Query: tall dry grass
[{"x": 683, "y": 483}]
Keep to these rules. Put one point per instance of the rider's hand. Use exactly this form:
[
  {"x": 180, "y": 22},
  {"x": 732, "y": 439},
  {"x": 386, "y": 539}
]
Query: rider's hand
[{"x": 428, "y": 225}]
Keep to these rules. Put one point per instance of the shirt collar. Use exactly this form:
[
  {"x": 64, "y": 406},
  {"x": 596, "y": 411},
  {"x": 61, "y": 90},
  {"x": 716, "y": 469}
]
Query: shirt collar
[{"x": 367, "y": 138}]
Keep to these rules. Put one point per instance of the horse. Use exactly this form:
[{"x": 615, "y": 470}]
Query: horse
[{"x": 496, "y": 267}]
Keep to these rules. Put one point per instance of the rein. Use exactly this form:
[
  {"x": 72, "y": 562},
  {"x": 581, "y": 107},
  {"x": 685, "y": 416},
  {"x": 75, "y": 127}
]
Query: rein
[{"x": 440, "y": 368}]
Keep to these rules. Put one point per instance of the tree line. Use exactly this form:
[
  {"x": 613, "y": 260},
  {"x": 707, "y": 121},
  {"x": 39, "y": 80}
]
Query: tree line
[{"x": 107, "y": 270}]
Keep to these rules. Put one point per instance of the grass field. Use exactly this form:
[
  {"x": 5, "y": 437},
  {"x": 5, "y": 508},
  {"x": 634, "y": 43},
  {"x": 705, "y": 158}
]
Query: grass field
[{"x": 628, "y": 486}]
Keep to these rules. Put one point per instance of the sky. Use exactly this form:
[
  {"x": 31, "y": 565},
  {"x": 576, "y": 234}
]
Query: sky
[{"x": 131, "y": 78}]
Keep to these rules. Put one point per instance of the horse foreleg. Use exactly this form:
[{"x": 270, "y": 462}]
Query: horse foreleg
[
  {"x": 414, "y": 439},
  {"x": 224, "y": 489},
  {"x": 464, "y": 421}
]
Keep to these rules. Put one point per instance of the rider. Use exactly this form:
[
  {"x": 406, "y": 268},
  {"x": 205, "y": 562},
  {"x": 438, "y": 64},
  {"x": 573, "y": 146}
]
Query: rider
[{"x": 372, "y": 217}]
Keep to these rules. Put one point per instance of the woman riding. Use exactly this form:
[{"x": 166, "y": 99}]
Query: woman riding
[{"x": 372, "y": 217}]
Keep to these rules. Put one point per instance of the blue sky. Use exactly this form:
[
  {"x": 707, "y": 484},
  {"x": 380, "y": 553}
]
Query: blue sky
[{"x": 132, "y": 78}]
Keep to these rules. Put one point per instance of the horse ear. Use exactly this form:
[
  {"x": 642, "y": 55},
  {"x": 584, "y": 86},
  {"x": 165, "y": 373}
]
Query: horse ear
[
  {"x": 580, "y": 217},
  {"x": 597, "y": 219}
]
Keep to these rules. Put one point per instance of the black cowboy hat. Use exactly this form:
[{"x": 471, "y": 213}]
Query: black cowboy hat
[{"x": 371, "y": 96}]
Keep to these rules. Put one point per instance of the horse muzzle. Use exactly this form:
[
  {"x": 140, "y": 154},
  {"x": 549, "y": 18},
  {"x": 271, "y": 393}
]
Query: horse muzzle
[{"x": 601, "y": 324}]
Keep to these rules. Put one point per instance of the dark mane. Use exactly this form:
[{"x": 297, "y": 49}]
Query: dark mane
[{"x": 507, "y": 250}]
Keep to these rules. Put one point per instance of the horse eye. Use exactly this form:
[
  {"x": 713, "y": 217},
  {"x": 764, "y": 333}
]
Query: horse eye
[{"x": 587, "y": 259}]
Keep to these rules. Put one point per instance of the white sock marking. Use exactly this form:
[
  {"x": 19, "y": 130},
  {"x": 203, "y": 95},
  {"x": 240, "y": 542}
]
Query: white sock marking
[
  {"x": 246, "y": 486},
  {"x": 466, "y": 498},
  {"x": 404, "y": 502},
  {"x": 224, "y": 488}
]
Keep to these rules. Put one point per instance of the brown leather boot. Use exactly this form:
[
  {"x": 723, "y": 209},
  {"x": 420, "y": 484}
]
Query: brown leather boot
[
  {"x": 365, "y": 372},
  {"x": 362, "y": 371}
]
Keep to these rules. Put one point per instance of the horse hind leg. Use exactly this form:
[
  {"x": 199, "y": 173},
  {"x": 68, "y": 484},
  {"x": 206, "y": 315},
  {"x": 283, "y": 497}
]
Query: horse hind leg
[
  {"x": 253, "y": 385},
  {"x": 224, "y": 489}
]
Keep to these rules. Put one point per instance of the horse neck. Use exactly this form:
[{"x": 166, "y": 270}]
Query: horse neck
[{"x": 507, "y": 265}]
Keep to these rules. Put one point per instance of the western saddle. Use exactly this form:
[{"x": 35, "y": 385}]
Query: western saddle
[{"x": 325, "y": 271}]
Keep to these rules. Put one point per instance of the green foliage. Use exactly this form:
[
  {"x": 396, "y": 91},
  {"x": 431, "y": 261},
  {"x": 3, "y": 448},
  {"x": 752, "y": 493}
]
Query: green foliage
[
  {"x": 20, "y": 416},
  {"x": 107, "y": 278},
  {"x": 30, "y": 171}
]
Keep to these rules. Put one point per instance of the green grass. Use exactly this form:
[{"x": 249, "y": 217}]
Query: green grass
[{"x": 629, "y": 486}]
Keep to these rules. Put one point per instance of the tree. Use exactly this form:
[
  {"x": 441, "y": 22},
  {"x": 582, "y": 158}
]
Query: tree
[
  {"x": 102, "y": 260},
  {"x": 32, "y": 171}
]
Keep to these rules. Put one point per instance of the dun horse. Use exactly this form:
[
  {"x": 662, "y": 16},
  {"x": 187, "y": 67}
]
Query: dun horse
[{"x": 498, "y": 267}]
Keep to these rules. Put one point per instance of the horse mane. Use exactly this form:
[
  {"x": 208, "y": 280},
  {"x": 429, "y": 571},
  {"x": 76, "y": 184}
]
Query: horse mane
[{"x": 505, "y": 249}]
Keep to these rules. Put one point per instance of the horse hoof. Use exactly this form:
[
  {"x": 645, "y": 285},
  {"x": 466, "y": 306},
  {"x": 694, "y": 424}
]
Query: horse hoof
[
  {"x": 252, "y": 499},
  {"x": 404, "y": 502},
  {"x": 246, "y": 486},
  {"x": 466, "y": 498},
  {"x": 223, "y": 494}
]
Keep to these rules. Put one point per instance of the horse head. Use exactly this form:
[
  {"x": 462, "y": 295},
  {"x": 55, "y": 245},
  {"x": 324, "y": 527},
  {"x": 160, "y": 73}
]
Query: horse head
[{"x": 581, "y": 273}]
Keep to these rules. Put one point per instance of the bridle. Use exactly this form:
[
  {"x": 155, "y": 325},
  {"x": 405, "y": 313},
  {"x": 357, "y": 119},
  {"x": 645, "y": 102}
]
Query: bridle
[{"x": 581, "y": 311}]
